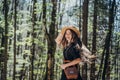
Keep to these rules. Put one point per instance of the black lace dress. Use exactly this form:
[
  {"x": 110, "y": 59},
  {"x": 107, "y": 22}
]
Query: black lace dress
[{"x": 70, "y": 53}]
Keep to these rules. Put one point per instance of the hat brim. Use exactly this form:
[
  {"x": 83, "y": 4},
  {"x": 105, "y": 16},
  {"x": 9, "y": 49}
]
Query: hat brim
[
  {"x": 61, "y": 34},
  {"x": 70, "y": 28}
]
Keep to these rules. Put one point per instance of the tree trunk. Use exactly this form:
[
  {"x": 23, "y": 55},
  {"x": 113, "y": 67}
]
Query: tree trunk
[
  {"x": 34, "y": 19},
  {"x": 92, "y": 73},
  {"x": 50, "y": 42},
  {"x": 117, "y": 62},
  {"x": 6, "y": 41},
  {"x": 80, "y": 16},
  {"x": 106, "y": 70},
  {"x": 2, "y": 57},
  {"x": 84, "y": 34},
  {"x": 15, "y": 17}
]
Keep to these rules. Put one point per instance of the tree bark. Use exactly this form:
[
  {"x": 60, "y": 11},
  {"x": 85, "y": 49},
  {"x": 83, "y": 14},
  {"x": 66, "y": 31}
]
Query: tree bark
[
  {"x": 15, "y": 17},
  {"x": 80, "y": 16},
  {"x": 2, "y": 57},
  {"x": 92, "y": 73},
  {"x": 50, "y": 42},
  {"x": 84, "y": 34},
  {"x": 117, "y": 62},
  {"x": 6, "y": 40},
  {"x": 34, "y": 19},
  {"x": 106, "y": 70}
]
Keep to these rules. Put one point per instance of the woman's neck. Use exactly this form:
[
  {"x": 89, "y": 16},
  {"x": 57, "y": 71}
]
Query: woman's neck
[{"x": 68, "y": 43}]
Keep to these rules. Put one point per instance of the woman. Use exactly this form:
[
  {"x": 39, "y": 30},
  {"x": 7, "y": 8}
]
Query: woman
[{"x": 69, "y": 38}]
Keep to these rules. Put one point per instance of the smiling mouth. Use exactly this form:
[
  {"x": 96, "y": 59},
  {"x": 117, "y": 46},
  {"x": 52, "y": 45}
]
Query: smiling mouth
[{"x": 68, "y": 38}]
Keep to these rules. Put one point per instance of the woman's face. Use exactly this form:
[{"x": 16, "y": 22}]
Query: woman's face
[{"x": 68, "y": 35}]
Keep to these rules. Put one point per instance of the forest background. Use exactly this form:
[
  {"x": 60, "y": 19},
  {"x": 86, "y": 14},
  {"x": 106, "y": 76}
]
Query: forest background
[{"x": 28, "y": 29}]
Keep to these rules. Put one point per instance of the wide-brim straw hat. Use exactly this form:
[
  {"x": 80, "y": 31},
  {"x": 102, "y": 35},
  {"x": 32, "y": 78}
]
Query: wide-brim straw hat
[
  {"x": 61, "y": 34},
  {"x": 70, "y": 28}
]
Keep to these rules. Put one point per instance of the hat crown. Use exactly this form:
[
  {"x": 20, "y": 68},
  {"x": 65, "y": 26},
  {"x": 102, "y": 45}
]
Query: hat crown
[
  {"x": 70, "y": 28},
  {"x": 60, "y": 36}
]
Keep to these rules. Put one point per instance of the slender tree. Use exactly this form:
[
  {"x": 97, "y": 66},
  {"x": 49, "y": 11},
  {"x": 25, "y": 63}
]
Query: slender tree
[
  {"x": 117, "y": 61},
  {"x": 60, "y": 10},
  {"x": 84, "y": 34},
  {"x": 44, "y": 25},
  {"x": 15, "y": 17},
  {"x": 51, "y": 42},
  {"x": 106, "y": 69},
  {"x": 92, "y": 74},
  {"x": 2, "y": 57},
  {"x": 80, "y": 16},
  {"x": 99, "y": 74},
  {"x": 34, "y": 19},
  {"x": 6, "y": 40}
]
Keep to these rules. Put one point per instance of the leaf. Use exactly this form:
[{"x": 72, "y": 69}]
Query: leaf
[
  {"x": 2, "y": 48},
  {"x": 27, "y": 52}
]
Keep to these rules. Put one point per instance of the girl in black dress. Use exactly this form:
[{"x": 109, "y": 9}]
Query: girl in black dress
[{"x": 69, "y": 38}]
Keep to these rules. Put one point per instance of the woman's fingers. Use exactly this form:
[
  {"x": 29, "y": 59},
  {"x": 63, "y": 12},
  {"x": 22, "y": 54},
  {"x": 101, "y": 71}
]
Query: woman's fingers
[{"x": 63, "y": 66}]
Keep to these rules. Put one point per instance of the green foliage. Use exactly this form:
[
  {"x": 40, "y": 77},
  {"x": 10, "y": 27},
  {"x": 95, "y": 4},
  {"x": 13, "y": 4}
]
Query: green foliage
[
  {"x": 25, "y": 28},
  {"x": 27, "y": 40},
  {"x": 9, "y": 78},
  {"x": 1, "y": 24},
  {"x": 21, "y": 61},
  {"x": 2, "y": 48}
]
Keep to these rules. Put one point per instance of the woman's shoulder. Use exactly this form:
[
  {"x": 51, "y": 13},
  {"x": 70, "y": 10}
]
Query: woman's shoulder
[
  {"x": 76, "y": 45},
  {"x": 73, "y": 45}
]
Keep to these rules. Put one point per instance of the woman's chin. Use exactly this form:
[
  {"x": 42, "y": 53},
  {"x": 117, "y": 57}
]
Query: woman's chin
[{"x": 68, "y": 41}]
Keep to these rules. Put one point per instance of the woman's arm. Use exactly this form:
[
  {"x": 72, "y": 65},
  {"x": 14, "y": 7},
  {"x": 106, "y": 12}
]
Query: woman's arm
[
  {"x": 74, "y": 62},
  {"x": 87, "y": 53}
]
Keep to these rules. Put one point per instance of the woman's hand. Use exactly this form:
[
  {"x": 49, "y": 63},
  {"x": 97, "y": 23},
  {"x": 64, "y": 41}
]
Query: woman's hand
[
  {"x": 74, "y": 62},
  {"x": 63, "y": 66}
]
